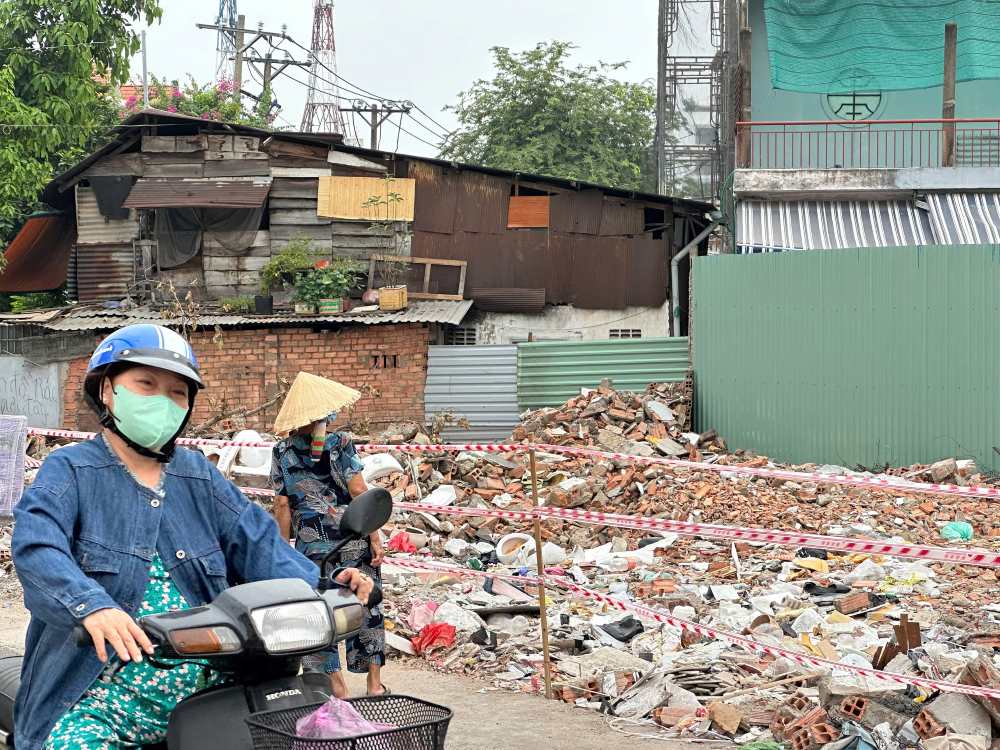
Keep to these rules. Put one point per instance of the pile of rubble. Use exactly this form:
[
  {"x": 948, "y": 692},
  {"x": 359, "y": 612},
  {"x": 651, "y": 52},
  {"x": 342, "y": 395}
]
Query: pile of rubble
[{"x": 932, "y": 620}]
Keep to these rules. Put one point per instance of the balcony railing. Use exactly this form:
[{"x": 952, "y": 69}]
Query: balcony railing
[{"x": 868, "y": 144}]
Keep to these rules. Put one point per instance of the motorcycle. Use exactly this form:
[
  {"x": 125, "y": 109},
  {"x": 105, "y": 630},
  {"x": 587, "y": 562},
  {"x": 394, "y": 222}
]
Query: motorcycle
[{"x": 255, "y": 635}]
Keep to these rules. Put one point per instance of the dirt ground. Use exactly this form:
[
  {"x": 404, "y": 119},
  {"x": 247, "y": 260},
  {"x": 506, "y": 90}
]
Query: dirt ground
[{"x": 484, "y": 718}]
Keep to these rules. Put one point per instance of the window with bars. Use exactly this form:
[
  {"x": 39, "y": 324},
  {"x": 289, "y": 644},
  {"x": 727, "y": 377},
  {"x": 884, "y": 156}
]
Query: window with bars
[
  {"x": 460, "y": 336},
  {"x": 625, "y": 333}
]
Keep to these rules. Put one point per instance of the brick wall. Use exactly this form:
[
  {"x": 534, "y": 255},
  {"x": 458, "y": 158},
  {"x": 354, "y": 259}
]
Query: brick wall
[{"x": 243, "y": 367}]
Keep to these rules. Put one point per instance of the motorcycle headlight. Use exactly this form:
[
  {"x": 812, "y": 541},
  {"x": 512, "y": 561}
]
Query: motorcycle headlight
[{"x": 288, "y": 628}]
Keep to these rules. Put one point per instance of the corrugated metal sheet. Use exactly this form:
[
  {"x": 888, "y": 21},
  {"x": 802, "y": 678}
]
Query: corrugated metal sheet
[
  {"x": 579, "y": 213},
  {"x": 852, "y": 357},
  {"x": 619, "y": 217},
  {"x": 601, "y": 271},
  {"x": 478, "y": 383},
  {"x": 104, "y": 272},
  {"x": 482, "y": 203},
  {"x": 92, "y": 228},
  {"x": 37, "y": 258},
  {"x": 773, "y": 226},
  {"x": 345, "y": 198},
  {"x": 509, "y": 300},
  {"x": 583, "y": 270},
  {"x": 551, "y": 372},
  {"x": 179, "y": 193},
  {"x": 649, "y": 279},
  {"x": 436, "y": 198},
  {"x": 443, "y": 312}
]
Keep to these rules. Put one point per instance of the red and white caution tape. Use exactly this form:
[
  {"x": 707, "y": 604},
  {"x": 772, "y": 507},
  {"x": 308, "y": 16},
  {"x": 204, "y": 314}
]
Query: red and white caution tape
[
  {"x": 888, "y": 484},
  {"x": 892, "y": 484},
  {"x": 978, "y": 557},
  {"x": 748, "y": 644}
]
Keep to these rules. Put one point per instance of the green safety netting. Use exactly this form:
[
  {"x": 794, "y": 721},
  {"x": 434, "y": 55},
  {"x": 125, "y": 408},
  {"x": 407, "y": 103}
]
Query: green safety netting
[{"x": 829, "y": 46}]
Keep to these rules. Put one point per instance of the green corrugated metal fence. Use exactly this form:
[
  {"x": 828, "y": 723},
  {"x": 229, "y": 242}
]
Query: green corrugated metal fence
[
  {"x": 853, "y": 357},
  {"x": 551, "y": 372}
]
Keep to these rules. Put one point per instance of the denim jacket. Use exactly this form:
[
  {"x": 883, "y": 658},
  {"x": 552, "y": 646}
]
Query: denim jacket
[{"x": 85, "y": 533}]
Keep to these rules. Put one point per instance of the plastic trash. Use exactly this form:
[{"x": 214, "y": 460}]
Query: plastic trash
[
  {"x": 442, "y": 496},
  {"x": 807, "y": 622},
  {"x": 624, "y": 630},
  {"x": 866, "y": 571},
  {"x": 421, "y": 614},
  {"x": 401, "y": 543},
  {"x": 463, "y": 620},
  {"x": 337, "y": 719},
  {"x": 957, "y": 531},
  {"x": 433, "y": 636}
]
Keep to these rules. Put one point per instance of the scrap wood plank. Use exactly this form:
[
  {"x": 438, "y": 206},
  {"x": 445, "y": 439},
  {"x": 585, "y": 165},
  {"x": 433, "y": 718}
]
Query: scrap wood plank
[{"x": 428, "y": 263}]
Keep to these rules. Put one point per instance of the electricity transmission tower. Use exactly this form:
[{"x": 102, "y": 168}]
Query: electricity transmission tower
[
  {"x": 225, "y": 45},
  {"x": 322, "y": 112}
]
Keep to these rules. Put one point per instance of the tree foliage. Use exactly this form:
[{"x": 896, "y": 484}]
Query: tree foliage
[
  {"x": 538, "y": 114},
  {"x": 207, "y": 101},
  {"x": 58, "y": 59}
]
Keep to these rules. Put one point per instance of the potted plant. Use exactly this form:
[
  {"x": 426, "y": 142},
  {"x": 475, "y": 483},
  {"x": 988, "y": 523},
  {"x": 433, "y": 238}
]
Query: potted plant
[
  {"x": 391, "y": 272},
  {"x": 333, "y": 282},
  {"x": 307, "y": 293},
  {"x": 392, "y": 275},
  {"x": 282, "y": 272}
]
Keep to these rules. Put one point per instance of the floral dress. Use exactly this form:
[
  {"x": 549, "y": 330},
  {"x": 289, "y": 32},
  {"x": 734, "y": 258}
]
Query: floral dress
[
  {"x": 129, "y": 705},
  {"x": 318, "y": 496}
]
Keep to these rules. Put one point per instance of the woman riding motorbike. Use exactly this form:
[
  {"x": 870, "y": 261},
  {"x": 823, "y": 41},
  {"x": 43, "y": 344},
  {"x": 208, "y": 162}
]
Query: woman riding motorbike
[{"x": 127, "y": 525}]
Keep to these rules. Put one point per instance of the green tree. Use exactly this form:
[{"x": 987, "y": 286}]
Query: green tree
[
  {"x": 538, "y": 114},
  {"x": 58, "y": 59},
  {"x": 209, "y": 101}
]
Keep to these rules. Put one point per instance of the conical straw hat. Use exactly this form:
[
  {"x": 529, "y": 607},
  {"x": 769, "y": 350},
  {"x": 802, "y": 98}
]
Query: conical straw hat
[{"x": 312, "y": 398}]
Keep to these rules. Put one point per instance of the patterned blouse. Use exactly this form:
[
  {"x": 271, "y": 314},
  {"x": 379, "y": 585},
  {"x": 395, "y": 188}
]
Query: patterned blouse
[{"x": 316, "y": 489}]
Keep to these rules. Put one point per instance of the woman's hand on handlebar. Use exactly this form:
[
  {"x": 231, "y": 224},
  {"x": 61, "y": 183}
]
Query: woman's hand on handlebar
[
  {"x": 357, "y": 582},
  {"x": 115, "y": 627}
]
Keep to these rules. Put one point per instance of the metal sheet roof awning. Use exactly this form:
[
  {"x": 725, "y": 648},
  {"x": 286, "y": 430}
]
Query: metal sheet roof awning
[
  {"x": 149, "y": 193},
  {"x": 774, "y": 226},
  {"x": 965, "y": 218},
  {"x": 38, "y": 257}
]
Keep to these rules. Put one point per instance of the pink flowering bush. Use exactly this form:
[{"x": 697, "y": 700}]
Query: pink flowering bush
[{"x": 217, "y": 102}]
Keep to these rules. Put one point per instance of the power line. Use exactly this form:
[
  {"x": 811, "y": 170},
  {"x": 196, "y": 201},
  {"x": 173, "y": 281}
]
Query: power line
[
  {"x": 352, "y": 88},
  {"x": 401, "y": 128},
  {"x": 57, "y": 46},
  {"x": 443, "y": 128},
  {"x": 435, "y": 133}
]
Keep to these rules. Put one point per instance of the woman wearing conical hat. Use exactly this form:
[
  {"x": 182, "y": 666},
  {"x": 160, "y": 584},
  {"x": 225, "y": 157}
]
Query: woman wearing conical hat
[{"x": 315, "y": 475}]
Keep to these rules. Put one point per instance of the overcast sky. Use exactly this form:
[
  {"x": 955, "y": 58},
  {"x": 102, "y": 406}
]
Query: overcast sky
[{"x": 423, "y": 50}]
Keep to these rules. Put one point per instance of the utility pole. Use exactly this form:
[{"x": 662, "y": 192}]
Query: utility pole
[
  {"x": 375, "y": 114},
  {"x": 948, "y": 94},
  {"x": 238, "y": 67},
  {"x": 243, "y": 54},
  {"x": 145, "y": 74}
]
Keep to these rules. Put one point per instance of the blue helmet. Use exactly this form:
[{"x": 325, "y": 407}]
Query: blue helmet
[{"x": 142, "y": 344}]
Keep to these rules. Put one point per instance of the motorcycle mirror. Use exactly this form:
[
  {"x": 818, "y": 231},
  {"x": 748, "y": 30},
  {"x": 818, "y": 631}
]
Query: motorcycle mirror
[{"x": 366, "y": 513}]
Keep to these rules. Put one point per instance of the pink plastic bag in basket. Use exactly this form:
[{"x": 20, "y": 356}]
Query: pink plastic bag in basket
[{"x": 337, "y": 720}]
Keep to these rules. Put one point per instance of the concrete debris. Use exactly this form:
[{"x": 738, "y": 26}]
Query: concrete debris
[{"x": 908, "y": 617}]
